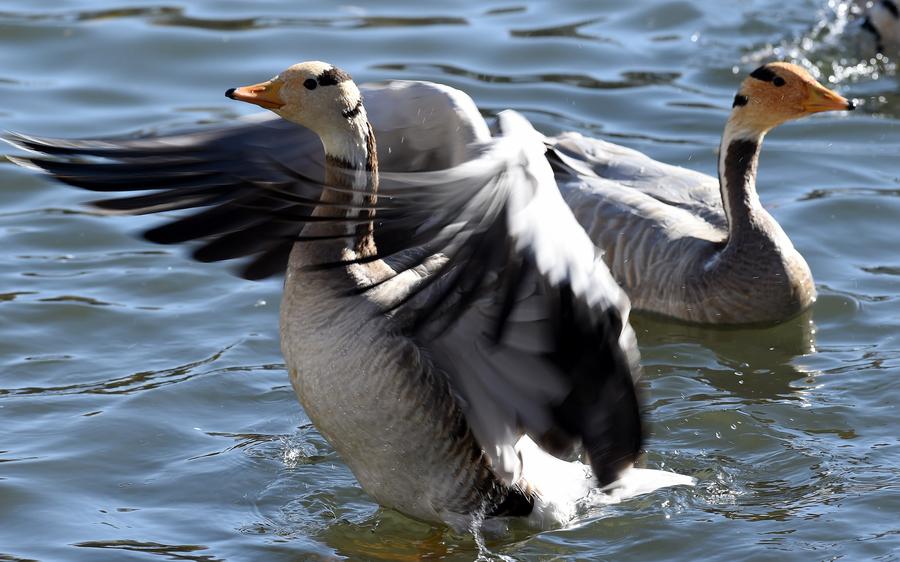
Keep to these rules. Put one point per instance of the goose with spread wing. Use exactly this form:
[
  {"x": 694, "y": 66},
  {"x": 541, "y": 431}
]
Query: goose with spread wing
[
  {"x": 682, "y": 244},
  {"x": 452, "y": 333}
]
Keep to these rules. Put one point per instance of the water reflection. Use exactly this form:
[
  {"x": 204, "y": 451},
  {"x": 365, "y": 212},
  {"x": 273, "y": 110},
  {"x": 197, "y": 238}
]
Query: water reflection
[
  {"x": 390, "y": 536},
  {"x": 849, "y": 191},
  {"x": 387, "y": 535},
  {"x": 567, "y": 30},
  {"x": 175, "y": 16},
  {"x": 167, "y": 551},
  {"x": 755, "y": 363},
  {"x": 629, "y": 79},
  {"x": 141, "y": 380}
]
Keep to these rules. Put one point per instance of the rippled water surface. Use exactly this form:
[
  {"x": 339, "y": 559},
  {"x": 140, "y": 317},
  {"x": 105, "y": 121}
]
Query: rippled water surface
[{"x": 146, "y": 412}]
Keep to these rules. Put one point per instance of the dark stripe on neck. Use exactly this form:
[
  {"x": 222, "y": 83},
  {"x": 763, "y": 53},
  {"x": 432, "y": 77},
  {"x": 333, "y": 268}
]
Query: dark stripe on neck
[
  {"x": 372, "y": 149},
  {"x": 337, "y": 162},
  {"x": 354, "y": 111},
  {"x": 365, "y": 233},
  {"x": 891, "y": 7},
  {"x": 739, "y": 178}
]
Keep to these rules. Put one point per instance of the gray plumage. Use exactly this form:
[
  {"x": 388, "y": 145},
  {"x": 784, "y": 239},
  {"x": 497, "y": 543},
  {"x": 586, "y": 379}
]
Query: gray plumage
[
  {"x": 491, "y": 316},
  {"x": 666, "y": 237}
]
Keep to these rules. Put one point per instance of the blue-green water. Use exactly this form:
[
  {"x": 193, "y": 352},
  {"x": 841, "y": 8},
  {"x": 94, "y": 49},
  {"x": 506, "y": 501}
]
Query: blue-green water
[{"x": 145, "y": 411}]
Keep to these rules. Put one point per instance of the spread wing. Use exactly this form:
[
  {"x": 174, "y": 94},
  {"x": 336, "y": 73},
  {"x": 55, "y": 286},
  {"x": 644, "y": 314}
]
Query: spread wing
[
  {"x": 523, "y": 316},
  {"x": 420, "y": 126}
]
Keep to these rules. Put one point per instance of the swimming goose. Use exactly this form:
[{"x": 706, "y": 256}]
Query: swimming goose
[
  {"x": 445, "y": 331},
  {"x": 683, "y": 244}
]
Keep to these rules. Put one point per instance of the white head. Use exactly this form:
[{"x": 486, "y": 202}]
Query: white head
[{"x": 314, "y": 94}]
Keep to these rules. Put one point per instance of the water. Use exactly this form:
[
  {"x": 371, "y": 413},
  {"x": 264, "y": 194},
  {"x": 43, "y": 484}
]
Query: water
[{"x": 145, "y": 408}]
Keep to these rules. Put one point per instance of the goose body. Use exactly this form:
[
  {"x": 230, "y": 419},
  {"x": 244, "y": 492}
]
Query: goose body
[
  {"x": 453, "y": 334},
  {"x": 690, "y": 246},
  {"x": 666, "y": 237}
]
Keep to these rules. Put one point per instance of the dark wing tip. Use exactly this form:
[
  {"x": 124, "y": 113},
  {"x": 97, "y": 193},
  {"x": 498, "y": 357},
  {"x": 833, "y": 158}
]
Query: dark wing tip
[
  {"x": 27, "y": 163},
  {"x": 603, "y": 408},
  {"x": 22, "y": 141}
]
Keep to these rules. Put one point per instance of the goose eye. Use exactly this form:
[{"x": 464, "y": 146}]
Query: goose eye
[
  {"x": 778, "y": 81},
  {"x": 310, "y": 84}
]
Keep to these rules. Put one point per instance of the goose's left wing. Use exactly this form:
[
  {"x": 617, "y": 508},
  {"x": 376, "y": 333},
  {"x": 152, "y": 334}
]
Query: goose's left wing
[
  {"x": 216, "y": 177},
  {"x": 523, "y": 316}
]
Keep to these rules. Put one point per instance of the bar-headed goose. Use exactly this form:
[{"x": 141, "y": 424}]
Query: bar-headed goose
[
  {"x": 447, "y": 376},
  {"x": 684, "y": 244},
  {"x": 664, "y": 230}
]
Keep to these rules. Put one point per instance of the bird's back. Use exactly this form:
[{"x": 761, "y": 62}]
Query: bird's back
[{"x": 657, "y": 225}]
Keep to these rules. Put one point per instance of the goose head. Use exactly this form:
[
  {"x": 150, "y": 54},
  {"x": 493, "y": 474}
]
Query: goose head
[
  {"x": 317, "y": 95},
  {"x": 778, "y": 92}
]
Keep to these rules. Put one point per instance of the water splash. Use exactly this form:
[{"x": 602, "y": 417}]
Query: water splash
[
  {"x": 475, "y": 528},
  {"x": 300, "y": 448},
  {"x": 836, "y": 50}
]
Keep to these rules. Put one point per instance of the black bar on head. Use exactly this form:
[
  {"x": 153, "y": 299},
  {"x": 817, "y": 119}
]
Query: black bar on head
[
  {"x": 332, "y": 77},
  {"x": 763, "y": 73}
]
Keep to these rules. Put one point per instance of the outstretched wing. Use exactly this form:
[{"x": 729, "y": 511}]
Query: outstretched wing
[
  {"x": 523, "y": 316},
  {"x": 420, "y": 126}
]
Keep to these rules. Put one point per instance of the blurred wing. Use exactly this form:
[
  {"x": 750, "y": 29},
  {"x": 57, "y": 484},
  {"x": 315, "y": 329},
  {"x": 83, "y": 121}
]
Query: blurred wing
[
  {"x": 523, "y": 315},
  {"x": 230, "y": 174},
  {"x": 215, "y": 173}
]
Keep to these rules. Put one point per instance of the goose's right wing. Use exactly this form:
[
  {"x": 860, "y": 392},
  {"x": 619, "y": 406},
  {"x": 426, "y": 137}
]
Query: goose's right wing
[{"x": 522, "y": 316}]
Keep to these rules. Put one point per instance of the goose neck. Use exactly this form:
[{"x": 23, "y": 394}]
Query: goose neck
[
  {"x": 738, "y": 159},
  {"x": 351, "y": 163}
]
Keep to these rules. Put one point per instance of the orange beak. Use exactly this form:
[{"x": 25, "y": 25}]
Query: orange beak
[
  {"x": 265, "y": 94},
  {"x": 822, "y": 99}
]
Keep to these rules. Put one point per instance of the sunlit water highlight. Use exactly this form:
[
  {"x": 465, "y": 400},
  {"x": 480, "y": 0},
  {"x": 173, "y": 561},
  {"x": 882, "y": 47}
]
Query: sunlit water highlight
[{"x": 145, "y": 407}]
